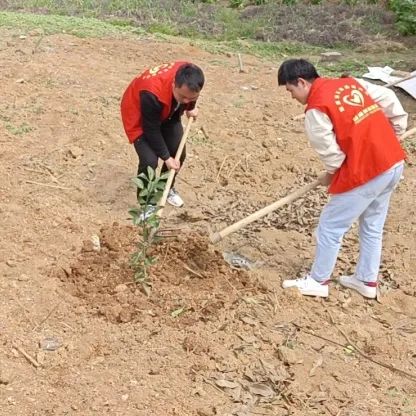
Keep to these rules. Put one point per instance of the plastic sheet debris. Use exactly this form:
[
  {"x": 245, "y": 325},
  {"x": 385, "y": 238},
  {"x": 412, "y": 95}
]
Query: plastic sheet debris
[{"x": 238, "y": 261}]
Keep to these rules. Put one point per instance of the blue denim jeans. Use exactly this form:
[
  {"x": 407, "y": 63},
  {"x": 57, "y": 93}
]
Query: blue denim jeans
[{"x": 369, "y": 204}]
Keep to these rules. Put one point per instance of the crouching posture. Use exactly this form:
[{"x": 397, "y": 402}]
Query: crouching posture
[
  {"x": 151, "y": 110},
  {"x": 354, "y": 127}
]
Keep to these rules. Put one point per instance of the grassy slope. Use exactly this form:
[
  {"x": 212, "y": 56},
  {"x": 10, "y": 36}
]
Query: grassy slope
[{"x": 124, "y": 19}]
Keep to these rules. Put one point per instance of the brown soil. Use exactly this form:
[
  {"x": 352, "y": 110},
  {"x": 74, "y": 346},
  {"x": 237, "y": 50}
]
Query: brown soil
[{"x": 211, "y": 339}]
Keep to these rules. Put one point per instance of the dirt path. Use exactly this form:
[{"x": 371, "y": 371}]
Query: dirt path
[{"x": 239, "y": 345}]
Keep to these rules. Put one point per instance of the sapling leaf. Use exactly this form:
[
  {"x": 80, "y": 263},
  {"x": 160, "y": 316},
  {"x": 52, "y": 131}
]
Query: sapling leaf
[
  {"x": 161, "y": 185},
  {"x": 164, "y": 176},
  {"x": 142, "y": 176},
  {"x": 138, "y": 182},
  {"x": 134, "y": 212},
  {"x": 150, "y": 174},
  {"x": 150, "y": 191},
  {"x": 144, "y": 192},
  {"x": 154, "y": 200}
]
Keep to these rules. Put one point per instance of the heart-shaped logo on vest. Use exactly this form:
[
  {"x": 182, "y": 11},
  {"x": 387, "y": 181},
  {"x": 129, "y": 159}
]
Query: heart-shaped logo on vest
[{"x": 355, "y": 98}]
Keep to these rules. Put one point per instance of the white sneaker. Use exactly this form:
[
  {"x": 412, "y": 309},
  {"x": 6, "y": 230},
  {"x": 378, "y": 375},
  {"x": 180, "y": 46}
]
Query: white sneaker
[
  {"x": 147, "y": 213},
  {"x": 174, "y": 198},
  {"x": 308, "y": 286},
  {"x": 368, "y": 290}
]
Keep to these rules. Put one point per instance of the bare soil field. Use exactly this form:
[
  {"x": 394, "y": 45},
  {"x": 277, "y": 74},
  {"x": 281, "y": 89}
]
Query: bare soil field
[{"x": 78, "y": 337}]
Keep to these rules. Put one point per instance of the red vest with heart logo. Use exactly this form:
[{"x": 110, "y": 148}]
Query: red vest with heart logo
[
  {"x": 159, "y": 81},
  {"x": 362, "y": 131}
]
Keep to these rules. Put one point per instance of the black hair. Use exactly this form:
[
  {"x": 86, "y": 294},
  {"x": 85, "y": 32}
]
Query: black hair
[
  {"x": 191, "y": 76},
  {"x": 293, "y": 69}
]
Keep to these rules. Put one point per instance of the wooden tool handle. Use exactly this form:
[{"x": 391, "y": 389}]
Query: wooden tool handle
[
  {"x": 162, "y": 201},
  {"x": 409, "y": 133},
  {"x": 218, "y": 236}
]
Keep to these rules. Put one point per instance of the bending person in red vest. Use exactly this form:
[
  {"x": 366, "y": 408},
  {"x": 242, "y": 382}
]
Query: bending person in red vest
[
  {"x": 151, "y": 110},
  {"x": 354, "y": 127}
]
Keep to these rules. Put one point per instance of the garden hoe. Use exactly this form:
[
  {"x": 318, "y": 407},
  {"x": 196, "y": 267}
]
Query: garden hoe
[
  {"x": 162, "y": 202},
  {"x": 219, "y": 235}
]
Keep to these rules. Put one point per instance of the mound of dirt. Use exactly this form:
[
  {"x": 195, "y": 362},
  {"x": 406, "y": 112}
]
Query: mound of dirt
[{"x": 190, "y": 278}]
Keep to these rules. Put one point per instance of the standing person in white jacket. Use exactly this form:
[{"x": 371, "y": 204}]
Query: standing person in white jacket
[{"x": 354, "y": 126}]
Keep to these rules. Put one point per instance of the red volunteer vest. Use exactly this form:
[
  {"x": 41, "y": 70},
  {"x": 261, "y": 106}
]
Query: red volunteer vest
[
  {"x": 362, "y": 131},
  {"x": 158, "y": 81}
]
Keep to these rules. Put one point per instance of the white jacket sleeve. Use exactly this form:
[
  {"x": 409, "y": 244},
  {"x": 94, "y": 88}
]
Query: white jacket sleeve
[
  {"x": 320, "y": 132},
  {"x": 389, "y": 103}
]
